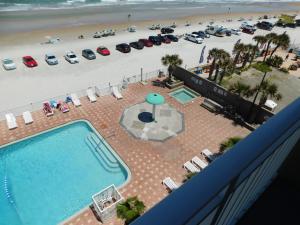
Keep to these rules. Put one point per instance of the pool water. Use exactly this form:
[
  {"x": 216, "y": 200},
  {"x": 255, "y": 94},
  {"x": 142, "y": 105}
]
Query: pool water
[
  {"x": 184, "y": 95},
  {"x": 47, "y": 178}
]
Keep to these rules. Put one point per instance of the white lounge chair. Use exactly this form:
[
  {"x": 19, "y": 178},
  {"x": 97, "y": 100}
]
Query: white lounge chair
[
  {"x": 91, "y": 95},
  {"x": 116, "y": 92},
  {"x": 75, "y": 100},
  {"x": 208, "y": 154},
  {"x": 198, "y": 162},
  {"x": 27, "y": 117},
  {"x": 11, "y": 121},
  {"x": 170, "y": 183},
  {"x": 190, "y": 167}
]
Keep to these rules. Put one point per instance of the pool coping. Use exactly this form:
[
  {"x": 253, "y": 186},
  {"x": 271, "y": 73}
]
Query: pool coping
[
  {"x": 115, "y": 154},
  {"x": 188, "y": 89}
]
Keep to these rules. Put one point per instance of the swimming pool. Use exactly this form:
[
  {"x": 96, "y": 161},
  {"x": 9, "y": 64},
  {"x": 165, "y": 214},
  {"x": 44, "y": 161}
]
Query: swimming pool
[
  {"x": 47, "y": 178},
  {"x": 184, "y": 95}
]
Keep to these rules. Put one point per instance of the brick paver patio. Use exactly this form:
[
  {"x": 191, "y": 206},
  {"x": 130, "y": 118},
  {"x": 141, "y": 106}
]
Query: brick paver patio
[{"x": 149, "y": 162}]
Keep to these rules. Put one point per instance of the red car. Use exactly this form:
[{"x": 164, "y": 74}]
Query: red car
[
  {"x": 29, "y": 61},
  {"x": 248, "y": 30},
  {"x": 103, "y": 50},
  {"x": 146, "y": 42}
]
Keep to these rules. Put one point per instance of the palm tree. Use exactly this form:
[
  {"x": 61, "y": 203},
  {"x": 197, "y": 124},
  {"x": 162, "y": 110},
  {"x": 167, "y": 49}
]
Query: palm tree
[
  {"x": 229, "y": 143},
  {"x": 241, "y": 89},
  {"x": 171, "y": 61},
  {"x": 266, "y": 90},
  {"x": 238, "y": 50},
  {"x": 130, "y": 209},
  {"x": 227, "y": 68},
  {"x": 214, "y": 53},
  {"x": 282, "y": 40},
  {"x": 270, "y": 38},
  {"x": 222, "y": 57},
  {"x": 248, "y": 52},
  {"x": 260, "y": 40}
]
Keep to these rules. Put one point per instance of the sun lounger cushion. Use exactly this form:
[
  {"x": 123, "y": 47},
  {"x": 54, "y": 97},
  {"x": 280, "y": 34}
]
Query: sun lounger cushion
[
  {"x": 27, "y": 117},
  {"x": 75, "y": 100},
  {"x": 198, "y": 162},
  {"x": 91, "y": 95},
  {"x": 116, "y": 92},
  {"x": 208, "y": 154},
  {"x": 11, "y": 121},
  {"x": 170, "y": 183},
  {"x": 190, "y": 167}
]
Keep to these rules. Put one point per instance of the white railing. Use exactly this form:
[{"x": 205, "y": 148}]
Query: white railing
[{"x": 100, "y": 90}]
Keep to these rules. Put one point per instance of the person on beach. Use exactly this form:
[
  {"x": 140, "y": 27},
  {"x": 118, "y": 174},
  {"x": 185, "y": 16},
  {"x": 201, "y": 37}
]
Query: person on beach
[{"x": 287, "y": 57}]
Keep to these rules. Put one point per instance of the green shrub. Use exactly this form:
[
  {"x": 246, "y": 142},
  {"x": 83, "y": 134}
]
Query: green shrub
[
  {"x": 275, "y": 61},
  {"x": 283, "y": 69},
  {"x": 262, "y": 66}
]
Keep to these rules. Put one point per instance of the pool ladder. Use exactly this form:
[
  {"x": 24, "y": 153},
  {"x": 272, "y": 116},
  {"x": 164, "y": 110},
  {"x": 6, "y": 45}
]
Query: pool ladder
[{"x": 108, "y": 161}]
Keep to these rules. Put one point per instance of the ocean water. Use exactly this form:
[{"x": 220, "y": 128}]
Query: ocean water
[{"x": 24, "y": 5}]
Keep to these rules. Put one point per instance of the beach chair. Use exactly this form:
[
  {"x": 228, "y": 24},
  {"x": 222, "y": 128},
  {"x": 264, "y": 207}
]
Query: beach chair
[
  {"x": 75, "y": 100},
  {"x": 169, "y": 183},
  {"x": 27, "y": 117},
  {"x": 11, "y": 121},
  {"x": 47, "y": 109},
  {"x": 63, "y": 107},
  {"x": 208, "y": 154},
  {"x": 116, "y": 93},
  {"x": 198, "y": 162},
  {"x": 91, "y": 95},
  {"x": 190, "y": 167}
]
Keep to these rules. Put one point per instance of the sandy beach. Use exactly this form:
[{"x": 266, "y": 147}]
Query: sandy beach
[{"x": 28, "y": 85}]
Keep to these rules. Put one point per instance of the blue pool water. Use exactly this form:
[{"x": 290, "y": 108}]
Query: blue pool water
[
  {"x": 47, "y": 178},
  {"x": 183, "y": 95}
]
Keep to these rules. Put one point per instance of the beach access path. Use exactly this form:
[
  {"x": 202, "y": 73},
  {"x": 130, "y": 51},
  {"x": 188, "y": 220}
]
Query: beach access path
[{"x": 28, "y": 85}]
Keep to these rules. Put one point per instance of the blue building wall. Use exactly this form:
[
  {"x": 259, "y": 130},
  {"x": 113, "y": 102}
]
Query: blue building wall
[{"x": 222, "y": 192}]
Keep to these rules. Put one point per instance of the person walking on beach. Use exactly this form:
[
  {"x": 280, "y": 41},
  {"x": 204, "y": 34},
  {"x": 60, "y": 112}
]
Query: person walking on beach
[{"x": 287, "y": 57}]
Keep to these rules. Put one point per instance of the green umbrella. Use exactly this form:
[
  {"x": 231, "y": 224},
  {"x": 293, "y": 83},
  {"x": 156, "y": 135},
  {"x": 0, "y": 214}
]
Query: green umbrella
[{"x": 155, "y": 99}]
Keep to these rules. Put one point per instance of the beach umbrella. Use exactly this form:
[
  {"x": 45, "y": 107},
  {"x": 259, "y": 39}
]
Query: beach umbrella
[
  {"x": 154, "y": 99},
  {"x": 202, "y": 55}
]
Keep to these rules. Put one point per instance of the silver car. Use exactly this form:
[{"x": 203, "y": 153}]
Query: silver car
[
  {"x": 8, "y": 64},
  {"x": 51, "y": 59}
]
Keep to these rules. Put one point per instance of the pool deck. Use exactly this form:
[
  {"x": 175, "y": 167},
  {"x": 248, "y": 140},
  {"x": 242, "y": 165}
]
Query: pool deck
[{"x": 149, "y": 162}]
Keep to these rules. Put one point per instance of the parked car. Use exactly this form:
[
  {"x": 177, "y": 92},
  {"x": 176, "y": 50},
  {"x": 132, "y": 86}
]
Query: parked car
[
  {"x": 265, "y": 25},
  {"x": 164, "y": 39},
  {"x": 146, "y": 42},
  {"x": 103, "y": 51},
  {"x": 215, "y": 30},
  {"x": 125, "y": 48},
  {"x": 166, "y": 30},
  {"x": 172, "y": 37},
  {"x": 29, "y": 61},
  {"x": 155, "y": 40},
  {"x": 71, "y": 57},
  {"x": 236, "y": 31},
  {"x": 248, "y": 26},
  {"x": 194, "y": 38},
  {"x": 51, "y": 59},
  {"x": 88, "y": 54},
  {"x": 201, "y": 34},
  {"x": 8, "y": 64},
  {"x": 137, "y": 45},
  {"x": 248, "y": 30},
  {"x": 227, "y": 32}
]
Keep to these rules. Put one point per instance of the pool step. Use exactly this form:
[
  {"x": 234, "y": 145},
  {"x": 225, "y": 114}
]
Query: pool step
[{"x": 108, "y": 160}]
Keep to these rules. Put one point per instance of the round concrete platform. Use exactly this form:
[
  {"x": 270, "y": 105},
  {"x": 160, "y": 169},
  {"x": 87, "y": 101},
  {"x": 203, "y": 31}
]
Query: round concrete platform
[{"x": 137, "y": 120}]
